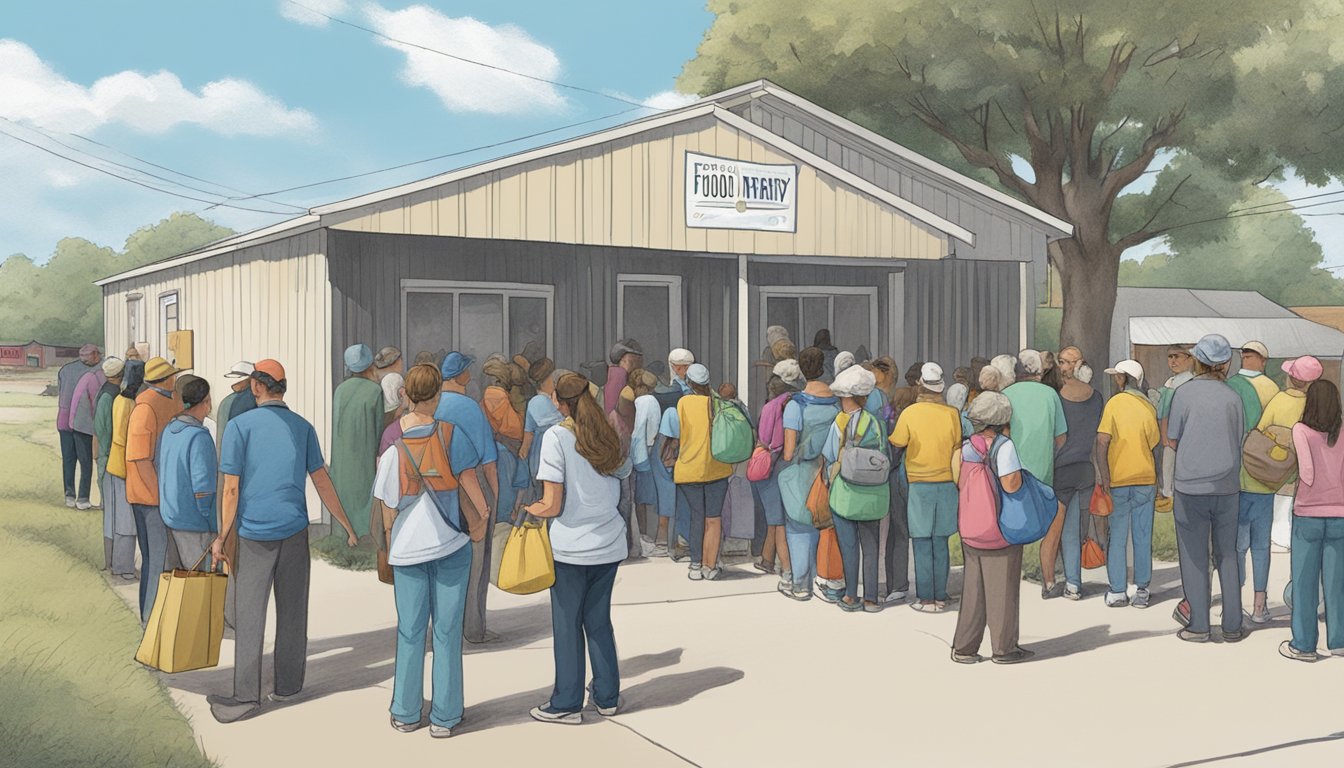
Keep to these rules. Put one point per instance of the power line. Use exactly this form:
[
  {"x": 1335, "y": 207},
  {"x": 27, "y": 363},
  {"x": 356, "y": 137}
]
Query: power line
[
  {"x": 455, "y": 57},
  {"x": 136, "y": 181}
]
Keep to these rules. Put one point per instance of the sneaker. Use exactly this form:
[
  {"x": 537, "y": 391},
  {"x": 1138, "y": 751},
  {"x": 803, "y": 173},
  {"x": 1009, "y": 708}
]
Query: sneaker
[
  {"x": 230, "y": 710},
  {"x": 544, "y": 714},
  {"x": 1193, "y": 637},
  {"x": 895, "y": 597},
  {"x": 1051, "y": 592},
  {"x": 696, "y": 573},
  {"x": 712, "y": 574},
  {"x": 849, "y": 607},
  {"x": 871, "y": 607},
  {"x": 681, "y": 555},
  {"x": 611, "y": 711},
  {"x": 1141, "y": 598},
  {"x": 1261, "y": 615},
  {"x": 405, "y": 727},
  {"x": 1287, "y": 651},
  {"x": 785, "y": 585},
  {"x": 1117, "y": 600},
  {"x": 70, "y": 502},
  {"x": 1072, "y": 593},
  {"x": 1337, "y": 651},
  {"x": 831, "y": 595},
  {"x": 1015, "y": 656},
  {"x": 488, "y": 637},
  {"x": 659, "y": 550},
  {"x": 1181, "y": 613},
  {"x": 280, "y": 698},
  {"x": 81, "y": 505},
  {"x": 439, "y": 732},
  {"x": 966, "y": 658},
  {"x": 801, "y": 595},
  {"x": 763, "y": 567},
  {"x": 930, "y": 607}
]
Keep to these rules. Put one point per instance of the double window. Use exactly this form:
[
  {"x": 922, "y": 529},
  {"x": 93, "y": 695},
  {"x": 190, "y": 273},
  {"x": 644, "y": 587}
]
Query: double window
[{"x": 848, "y": 312}]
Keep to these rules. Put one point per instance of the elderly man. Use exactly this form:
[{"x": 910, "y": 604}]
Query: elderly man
[
  {"x": 356, "y": 427},
  {"x": 268, "y": 453},
  {"x": 391, "y": 368},
  {"x": 1125, "y": 440},
  {"x": 154, "y": 408},
  {"x": 625, "y": 356},
  {"x": 1204, "y": 424},
  {"x": 76, "y": 445},
  {"x": 1039, "y": 427}
]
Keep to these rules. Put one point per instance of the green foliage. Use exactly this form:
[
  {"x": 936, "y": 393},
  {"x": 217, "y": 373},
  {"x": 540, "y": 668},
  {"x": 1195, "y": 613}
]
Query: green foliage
[
  {"x": 334, "y": 550},
  {"x": 1046, "y": 334},
  {"x": 58, "y": 303}
]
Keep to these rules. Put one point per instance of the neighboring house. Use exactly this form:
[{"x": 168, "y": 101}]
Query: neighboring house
[{"x": 35, "y": 354}]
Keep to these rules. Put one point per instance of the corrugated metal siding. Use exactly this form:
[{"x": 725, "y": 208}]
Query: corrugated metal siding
[
  {"x": 271, "y": 300},
  {"x": 367, "y": 270},
  {"x": 958, "y": 309},
  {"x": 630, "y": 193}
]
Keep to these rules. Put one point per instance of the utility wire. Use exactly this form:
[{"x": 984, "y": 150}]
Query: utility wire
[
  {"x": 136, "y": 182},
  {"x": 455, "y": 57}
]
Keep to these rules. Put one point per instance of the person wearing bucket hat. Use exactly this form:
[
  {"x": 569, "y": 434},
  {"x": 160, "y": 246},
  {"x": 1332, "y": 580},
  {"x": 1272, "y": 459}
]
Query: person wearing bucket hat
[
  {"x": 701, "y": 480},
  {"x": 1039, "y": 428},
  {"x": 470, "y": 424},
  {"x": 154, "y": 408},
  {"x": 1125, "y": 465},
  {"x": 357, "y": 419},
  {"x": 859, "y": 509},
  {"x": 626, "y": 355},
  {"x": 76, "y": 450},
  {"x": 1205, "y": 425},
  {"x": 926, "y": 434}
]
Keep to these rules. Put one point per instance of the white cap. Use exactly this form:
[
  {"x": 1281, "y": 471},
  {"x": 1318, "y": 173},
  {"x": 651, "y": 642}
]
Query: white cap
[
  {"x": 240, "y": 370},
  {"x": 854, "y": 381},
  {"x": 1031, "y": 362},
  {"x": 680, "y": 356},
  {"x": 931, "y": 377},
  {"x": 1129, "y": 368}
]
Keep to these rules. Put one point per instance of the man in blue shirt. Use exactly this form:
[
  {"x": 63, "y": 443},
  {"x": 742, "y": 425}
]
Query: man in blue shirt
[
  {"x": 469, "y": 423},
  {"x": 267, "y": 453},
  {"x": 187, "y": 481}
]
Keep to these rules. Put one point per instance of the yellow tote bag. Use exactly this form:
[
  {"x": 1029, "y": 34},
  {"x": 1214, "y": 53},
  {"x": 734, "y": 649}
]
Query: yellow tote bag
[
  {"x": 186, "y": 624},
  {"x": 526, "y": 565}
]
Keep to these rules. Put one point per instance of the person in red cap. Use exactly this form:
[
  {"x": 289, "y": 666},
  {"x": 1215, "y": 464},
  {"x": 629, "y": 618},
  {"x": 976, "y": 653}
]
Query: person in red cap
[{"x": 267, "y": 453}]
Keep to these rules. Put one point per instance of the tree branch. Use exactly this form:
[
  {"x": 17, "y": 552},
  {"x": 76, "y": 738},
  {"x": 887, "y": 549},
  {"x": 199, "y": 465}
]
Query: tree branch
[
  {"x": 1143, "y": 234},
  {"x": 1160, "y": 137},
  {"x": 980, "y": 157}
]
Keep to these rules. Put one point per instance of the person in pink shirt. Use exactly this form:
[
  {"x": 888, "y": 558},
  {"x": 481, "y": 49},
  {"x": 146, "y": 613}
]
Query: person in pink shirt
[
  {"x": 626, "y": 355},
  {"x": 1318, "y": 525}
]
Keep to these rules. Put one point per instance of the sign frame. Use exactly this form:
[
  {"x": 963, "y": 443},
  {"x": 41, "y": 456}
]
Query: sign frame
[{"x": 746, "y": 215}]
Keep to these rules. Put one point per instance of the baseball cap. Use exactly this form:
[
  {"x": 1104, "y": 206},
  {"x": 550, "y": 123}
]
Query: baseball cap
[
  {"x": 1127, "y": 367},
  {"x": 1213, "y": 349},
  {"x": 240, "y": 370},
  {"x": 680, "y": 356},
  {"x": 1305, "y": 368},
  {"x": 931, "y": 377},
  {"x": 1257, "y": 347},
  {"x": 271, "y": 368}
]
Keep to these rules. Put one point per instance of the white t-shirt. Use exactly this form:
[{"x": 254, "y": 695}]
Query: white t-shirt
[
  {"x": 589, "y": 530},
  {"x": 419, "y": 534},
  {"x": 392, "y": 384},
  {"x": 1007, "y": 459}
]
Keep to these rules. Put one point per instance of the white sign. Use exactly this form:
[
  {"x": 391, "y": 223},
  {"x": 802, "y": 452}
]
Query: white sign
[{"x": 722, "y": 193}]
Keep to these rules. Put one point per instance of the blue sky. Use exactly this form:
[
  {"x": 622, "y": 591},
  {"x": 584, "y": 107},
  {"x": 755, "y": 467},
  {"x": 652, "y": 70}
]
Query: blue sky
[{"x": 262, "y": 95}]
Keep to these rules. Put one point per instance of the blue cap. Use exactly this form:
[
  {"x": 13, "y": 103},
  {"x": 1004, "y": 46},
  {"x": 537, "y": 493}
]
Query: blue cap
[
  {"x": 358, "y": 357},
  {"x": 1212, "y": 350},
  {"x": 454, "y": 363},
  {"x": 698, "y": 374}
]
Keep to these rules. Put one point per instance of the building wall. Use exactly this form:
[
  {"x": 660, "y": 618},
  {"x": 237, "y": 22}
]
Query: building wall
[
  {"x": 630, "y": 193},
  {"x": 271, "y": 300},
  {"x": 958, "y": 309}
]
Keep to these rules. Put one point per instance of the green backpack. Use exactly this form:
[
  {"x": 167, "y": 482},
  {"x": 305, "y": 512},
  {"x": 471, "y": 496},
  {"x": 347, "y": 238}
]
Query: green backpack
[{"x": 730, "y": 435}]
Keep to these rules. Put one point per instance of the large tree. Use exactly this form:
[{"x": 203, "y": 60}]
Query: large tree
[{"x": 1092, "y": 94}]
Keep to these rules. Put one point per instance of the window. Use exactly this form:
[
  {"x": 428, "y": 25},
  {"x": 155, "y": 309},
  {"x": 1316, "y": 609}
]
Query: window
[
  {"x": 168, "y": 320},
  {"x": 478, "y": 319},
  {"x": 848, "y": 312},
  {"x": 648, "y": 310},
  {"x": 135, "y": 325}
]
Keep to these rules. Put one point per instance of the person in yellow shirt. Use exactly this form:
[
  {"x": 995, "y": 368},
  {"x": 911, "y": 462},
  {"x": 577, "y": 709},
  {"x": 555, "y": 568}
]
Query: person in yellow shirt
[
  {"x": 702, "y": 482},
  {"x": 1254, "y": 355},
  {"x": 928, "y": 432},
  {"x": 1126, "y": 437}
]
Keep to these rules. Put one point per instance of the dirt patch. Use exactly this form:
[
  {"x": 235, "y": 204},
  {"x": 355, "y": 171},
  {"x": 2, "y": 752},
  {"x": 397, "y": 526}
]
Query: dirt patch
[{"x": 20, "y": 415}]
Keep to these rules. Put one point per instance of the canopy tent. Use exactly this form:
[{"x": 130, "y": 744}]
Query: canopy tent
[{"x": 1285, "y": 337}]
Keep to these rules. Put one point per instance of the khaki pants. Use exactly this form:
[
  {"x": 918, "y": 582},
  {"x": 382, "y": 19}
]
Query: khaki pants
[{"x": 990, "y": 598}]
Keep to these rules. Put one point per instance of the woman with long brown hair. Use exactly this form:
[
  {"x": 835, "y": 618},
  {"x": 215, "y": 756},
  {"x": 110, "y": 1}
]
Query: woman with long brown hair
[{"x": 581, "y": 471}]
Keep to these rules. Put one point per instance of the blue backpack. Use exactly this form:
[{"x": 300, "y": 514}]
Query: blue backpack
[{"x": 1025, "y": 515}]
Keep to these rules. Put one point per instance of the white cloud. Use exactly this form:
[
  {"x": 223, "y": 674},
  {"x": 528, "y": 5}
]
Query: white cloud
[
  {"x": 308, "y": 17},
  {"x": 465, "y": 87},
  {"x": 669, "y": 100},
  {"x": 32, "y": 91}
]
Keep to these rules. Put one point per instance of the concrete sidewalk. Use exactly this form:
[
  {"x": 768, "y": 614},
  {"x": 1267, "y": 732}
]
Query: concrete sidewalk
[{"x": 730, "y": 673}]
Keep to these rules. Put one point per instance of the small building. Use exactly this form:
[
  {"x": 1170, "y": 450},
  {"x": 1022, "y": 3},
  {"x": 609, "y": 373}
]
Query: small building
[
  {"x": 697, "y": 227},
  {"x": 35, "y": 354},
  {"x": 1148, "y": 320}
]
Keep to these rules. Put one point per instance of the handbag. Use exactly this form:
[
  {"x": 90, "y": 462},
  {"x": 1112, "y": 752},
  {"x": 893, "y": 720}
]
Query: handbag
[
  {"x": 668, "y": 452},
  {"x": 830, "y": 565},
  {"x": 1269, "y": 456},
  {"x": 819, "y": 503},
  {"x": 527, "y": 565},
  {"x": 1101, "y": 504},
  {"x": 759, "y": 465},
  {"x": 1025, "y": 515},
  {"x": 385, "y": 574},
  {"x": 1093, "y": 556},
  {"x": 186, "y": 624},
  {"x": 862, "y": 466}
]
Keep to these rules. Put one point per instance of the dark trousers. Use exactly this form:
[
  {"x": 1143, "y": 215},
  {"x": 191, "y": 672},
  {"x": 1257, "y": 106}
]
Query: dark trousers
[
  {"x": 478, "y": 585},
  {"x": 262, "y": 565},
  {"x": 704, "y": 500},
  {"x": 581, "y": 619},
  {"x": 990, "y": 598},
  {"x": 152, "y": 535},
  {"x": 76, "y": 448},
  {"x": 1199, "y": 520},
  {"x": 858, "y": 546},
  {"x": 896, "y": 547}
]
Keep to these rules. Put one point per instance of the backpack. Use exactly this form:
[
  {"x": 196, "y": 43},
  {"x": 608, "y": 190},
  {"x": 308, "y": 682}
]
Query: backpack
[
  {"x": 430, "y": 473},
  {"x": 862, "y": 466},
  {"x": 1269, "y": 455},
  {"x": 816, "y": 427},
  {"x": 978, "y": 500},
  {"x": 730, "y": 435}
]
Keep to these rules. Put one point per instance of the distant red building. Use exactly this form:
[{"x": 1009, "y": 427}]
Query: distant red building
[{"x": 35, "y": 354}]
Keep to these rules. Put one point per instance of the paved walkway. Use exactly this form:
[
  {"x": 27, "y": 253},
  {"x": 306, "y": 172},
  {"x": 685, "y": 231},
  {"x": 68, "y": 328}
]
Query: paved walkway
[{"x": 730, "y": 673}]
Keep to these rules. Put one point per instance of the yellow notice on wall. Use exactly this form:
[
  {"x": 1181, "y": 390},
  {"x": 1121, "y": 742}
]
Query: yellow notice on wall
[{"x": 180, "y": 349}]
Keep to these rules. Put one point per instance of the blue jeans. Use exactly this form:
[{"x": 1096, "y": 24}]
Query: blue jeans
[
  {"x": 1318, "y": 556},
  {"x": 76, "y": 448},
  {"x": 1131, "y": 519},
  {"x": 931, "y": 567},
  {"x": 434, "y": 591},
  {"x": 858, "y": 540},
  {"x": 1202, "y": 521},
  {"x": 1253, "y": 523},
  {"x": 153, "y": 537},
  {"x": 802, "y": 539},
  {"x": 1072, "y": 541},
  {"x": 581, "y": 616}
]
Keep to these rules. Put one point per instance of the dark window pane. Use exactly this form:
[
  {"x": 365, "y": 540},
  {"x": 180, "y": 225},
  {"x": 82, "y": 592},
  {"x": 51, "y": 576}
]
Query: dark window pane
[
  {"x": 527, "y": 323},
  {"x": 480, "y": 332},
  {"x": 429, "y": 324},
  {"x": 852, "y": 327},
  {"x": 783, "y": 310},
  {"x": 816, "y": 315},
  {"x": 645, "y": 319}
]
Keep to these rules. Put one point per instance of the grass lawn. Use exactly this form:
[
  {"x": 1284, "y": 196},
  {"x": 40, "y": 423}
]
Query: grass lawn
[{"x": 71, "y": 693}]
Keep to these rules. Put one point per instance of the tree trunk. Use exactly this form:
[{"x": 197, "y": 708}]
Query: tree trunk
[{"x": 1089, "y": 275}]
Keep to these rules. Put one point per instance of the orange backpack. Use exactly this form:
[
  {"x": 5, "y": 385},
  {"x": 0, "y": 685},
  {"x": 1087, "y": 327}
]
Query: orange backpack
[{"x": 429, "y": 455}]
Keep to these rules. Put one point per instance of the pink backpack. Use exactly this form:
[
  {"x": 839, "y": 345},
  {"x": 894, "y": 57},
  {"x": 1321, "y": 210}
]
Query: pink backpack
[{"x": 978, "y": 500}]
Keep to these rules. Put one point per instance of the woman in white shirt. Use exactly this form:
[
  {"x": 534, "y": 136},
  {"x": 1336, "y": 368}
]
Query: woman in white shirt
[
  {"x": 581, "y": 471},
  {"x": 647, "y": 416},
  {"x": 427, "y": 549}
]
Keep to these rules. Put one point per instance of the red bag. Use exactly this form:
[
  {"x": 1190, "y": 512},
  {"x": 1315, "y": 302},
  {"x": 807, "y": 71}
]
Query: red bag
[
  {"x": 1101, "y": 504},
  {"x": 758, "y": 466},
  {"x": 829, "y": 564}
]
